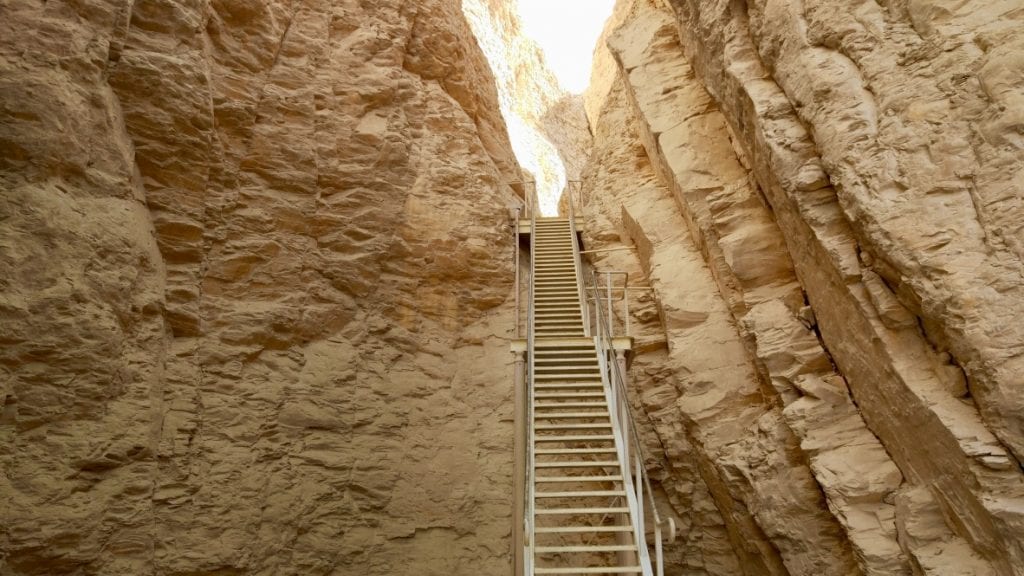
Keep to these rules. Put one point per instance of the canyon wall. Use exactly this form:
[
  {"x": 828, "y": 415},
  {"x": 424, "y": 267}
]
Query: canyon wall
[
  {"x": 824, "y": 198},
  {"x": 256, "y": 264}
]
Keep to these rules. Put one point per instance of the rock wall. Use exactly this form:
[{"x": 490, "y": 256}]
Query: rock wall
[
  {"x": 827, "y": 239},
  {"x": 256, "y": 259}
]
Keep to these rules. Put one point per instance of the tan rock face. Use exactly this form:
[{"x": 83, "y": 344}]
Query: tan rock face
[
  {"x": 255, "y": 258},
  {"x": 817, "y": 154}
]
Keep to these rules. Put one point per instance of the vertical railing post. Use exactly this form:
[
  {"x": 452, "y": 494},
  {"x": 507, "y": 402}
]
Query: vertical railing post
[
  {"x": 519, "y": 453},
  {"x": 611, "y": 319}
]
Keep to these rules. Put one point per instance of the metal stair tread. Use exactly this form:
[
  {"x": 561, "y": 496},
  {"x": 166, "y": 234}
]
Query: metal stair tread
[
  {"x": 584, "y": 549},
  {"x": 577, "y": 464},
  {"x": 577, "y": 529},
  {"x": 567, "y": 438},
  {"x": 558, "y": 451},
  {"x": 570, "y": 427},
  {"x": 570, "y": 479},
  {"x": 589, "y": 570},
  {"x": 582, "y": 494},
  {"x": 561, "y": 511}
]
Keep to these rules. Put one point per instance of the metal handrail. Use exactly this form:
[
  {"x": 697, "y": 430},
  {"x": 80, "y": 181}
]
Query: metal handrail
[
  {"x": 615, "y": 381},
  {"x": 515, "y": 264},
  {"x": 531, "y": 371},
  {"x": 578, "y": 264},
  {"x": 624, "y": 298}
]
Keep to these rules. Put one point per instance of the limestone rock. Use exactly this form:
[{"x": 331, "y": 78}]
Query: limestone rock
[
  {"x": 256, "y": 258},
  {"x": 800, "y": 144}
]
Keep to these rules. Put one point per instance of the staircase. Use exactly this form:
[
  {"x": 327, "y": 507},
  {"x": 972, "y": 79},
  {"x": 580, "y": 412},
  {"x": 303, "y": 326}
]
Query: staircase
[{"x": 581, "y": 504}]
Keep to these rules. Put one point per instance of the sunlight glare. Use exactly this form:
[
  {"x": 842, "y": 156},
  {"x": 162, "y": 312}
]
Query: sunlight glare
[{"x": 567, "y": 32}]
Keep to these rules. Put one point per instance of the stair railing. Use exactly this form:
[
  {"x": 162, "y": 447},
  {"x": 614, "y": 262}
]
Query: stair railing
[
  {"x": 611, "y": 295},
  {"x": 634, "y": 475},
  {"x": 530, "y": 519},
  {"x": 578, "y": 263}
]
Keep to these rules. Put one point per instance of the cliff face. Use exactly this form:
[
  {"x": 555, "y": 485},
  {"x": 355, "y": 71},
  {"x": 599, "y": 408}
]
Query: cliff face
[
  {"x": 836, "y": 312},
  {"x": 255, "y": 263}
]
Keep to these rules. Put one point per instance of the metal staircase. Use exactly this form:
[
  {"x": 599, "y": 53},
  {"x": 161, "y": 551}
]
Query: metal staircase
[
  {"x": 581, "y": 474},
  {"x": 580, "y": 517}
]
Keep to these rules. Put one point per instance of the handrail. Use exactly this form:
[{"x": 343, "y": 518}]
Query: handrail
[
  {"x": 515, "y": 264},
  {"x": 578, "y": 264},
  {"x": 614, "y": 380},
  {"x": 531, "y": 371},
  {"x": 624, "y": 298}
]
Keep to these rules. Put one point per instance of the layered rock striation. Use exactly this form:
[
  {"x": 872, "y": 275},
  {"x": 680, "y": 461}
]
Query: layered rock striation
[{"x": 855, "y": 262}]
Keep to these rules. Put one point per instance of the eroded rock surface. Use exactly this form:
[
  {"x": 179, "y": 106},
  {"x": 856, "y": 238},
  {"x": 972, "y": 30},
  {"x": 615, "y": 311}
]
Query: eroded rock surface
[
  {"x": 255, "y": 263},
  {"x": 855, "y": 253}
]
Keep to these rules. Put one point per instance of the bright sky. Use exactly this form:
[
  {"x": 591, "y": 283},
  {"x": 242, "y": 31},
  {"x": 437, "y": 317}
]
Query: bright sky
[{"x": 567, "y": 31}]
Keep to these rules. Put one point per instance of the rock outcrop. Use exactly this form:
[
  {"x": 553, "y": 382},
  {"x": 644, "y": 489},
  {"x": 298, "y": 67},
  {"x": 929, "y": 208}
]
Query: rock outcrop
[
  {"x": 830, "y": 308},
  {"x": 255, "y": 263}
]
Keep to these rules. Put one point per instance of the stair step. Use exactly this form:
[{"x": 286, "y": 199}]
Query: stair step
[
  {"x": 547, "y": 405},
  {"x": 570, "y": 376},
  {"x": 592, "y": 570},
  {"x": 560, "y": 451},
  {"x": 563, "y": 386},
  {"x": 585, "y": 549},
  {"x": 562, "y": 479},
  {"x": 555, "y": 438},
  {"x": 577, "y": 347},
  {"x": 563, "y": 511},
  {"x": 574, "y": 415},
  {"x": 548, "y": 322},
  {"x": 570, "y": 426},
  {"x": 568, "y": 395},
  {"x": 581, "y": 494},
  {"x": 578, "y": 464},
  {"x": 580, "y": 529}
]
